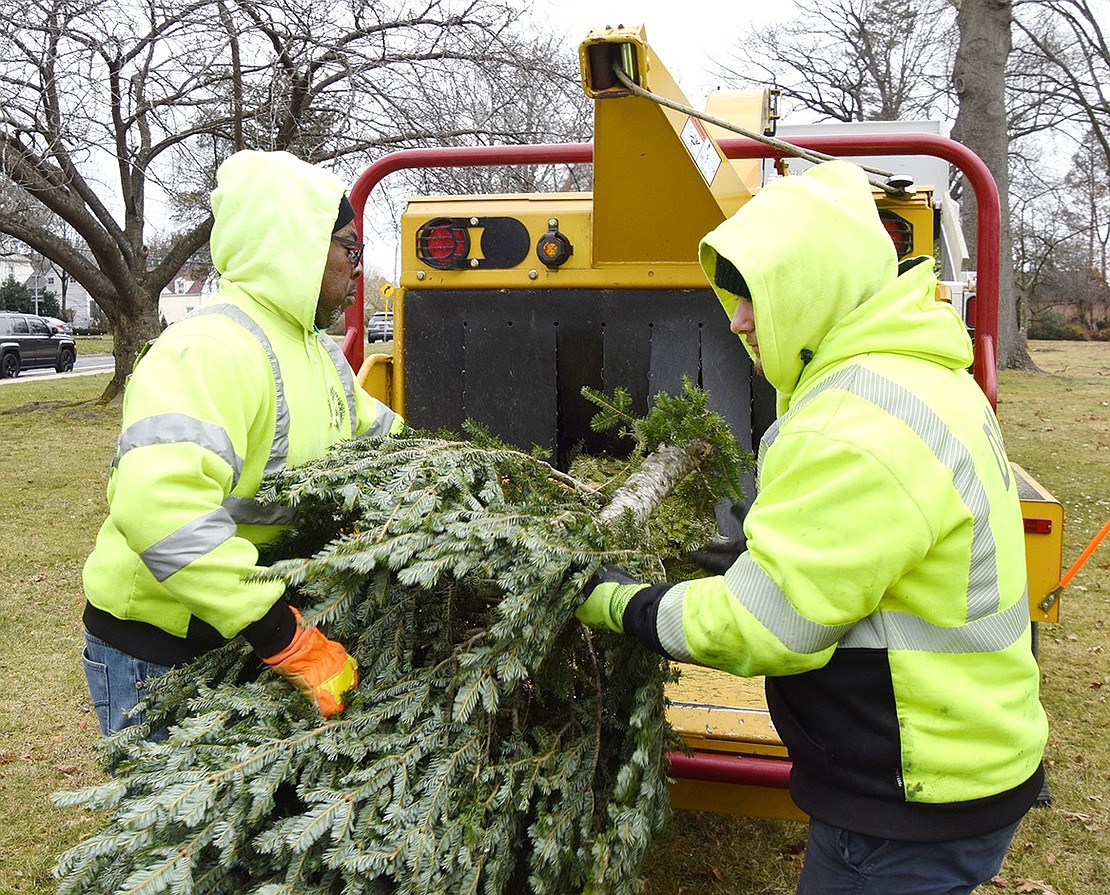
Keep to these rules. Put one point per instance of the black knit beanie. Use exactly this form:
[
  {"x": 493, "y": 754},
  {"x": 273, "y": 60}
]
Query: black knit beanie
[
  {"x": 728, "y": 278},
  {"x": 346, "y": 214}
]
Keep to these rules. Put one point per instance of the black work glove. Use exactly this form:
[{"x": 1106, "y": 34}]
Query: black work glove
[
  {"x": 717, "y": 556},
  {"x": 610, "y": 575}
]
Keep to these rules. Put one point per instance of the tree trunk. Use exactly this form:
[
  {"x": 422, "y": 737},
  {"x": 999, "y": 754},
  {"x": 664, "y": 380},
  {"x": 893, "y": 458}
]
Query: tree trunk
[
  {"x": 134, "y": 327},
  {"x": 979, "y": 76}
]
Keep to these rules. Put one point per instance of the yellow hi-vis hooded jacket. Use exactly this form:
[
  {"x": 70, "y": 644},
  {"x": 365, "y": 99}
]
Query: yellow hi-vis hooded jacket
[
  {"x": 883, "y": 589},
  {"x": 242, "y": 387}
]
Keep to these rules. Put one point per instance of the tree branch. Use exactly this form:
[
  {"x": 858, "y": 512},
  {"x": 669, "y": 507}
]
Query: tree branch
[{"x": 657, "y": 476}]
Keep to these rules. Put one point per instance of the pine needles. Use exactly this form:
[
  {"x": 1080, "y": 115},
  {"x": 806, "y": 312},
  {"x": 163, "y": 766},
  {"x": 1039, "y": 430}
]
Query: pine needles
[{"x": 494, "y": 746}]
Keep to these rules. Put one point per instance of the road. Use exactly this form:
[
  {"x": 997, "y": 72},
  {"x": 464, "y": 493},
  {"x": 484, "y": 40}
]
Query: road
[{"x": 85, "y": 366}]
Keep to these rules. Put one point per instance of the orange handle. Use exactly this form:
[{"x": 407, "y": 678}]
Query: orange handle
[{"x": 1086, "y": 554}]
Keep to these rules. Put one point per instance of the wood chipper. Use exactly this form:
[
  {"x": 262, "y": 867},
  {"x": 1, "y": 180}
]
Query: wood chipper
[{"x": 509, "y": 304}]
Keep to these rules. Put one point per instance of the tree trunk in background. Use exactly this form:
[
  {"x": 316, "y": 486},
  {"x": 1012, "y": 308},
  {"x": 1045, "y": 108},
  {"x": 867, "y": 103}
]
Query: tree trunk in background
[
  {"x": 135, "y": 325},
  {"x": 979, "y": 76}
]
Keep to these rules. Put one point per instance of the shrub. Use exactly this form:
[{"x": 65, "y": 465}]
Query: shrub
[{"x": 1050, "y": 325}]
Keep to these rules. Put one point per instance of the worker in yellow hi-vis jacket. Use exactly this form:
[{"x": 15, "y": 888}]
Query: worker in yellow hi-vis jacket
[
  {"x": 882, "y": 589},
  {"x": 244, "y": 386}
]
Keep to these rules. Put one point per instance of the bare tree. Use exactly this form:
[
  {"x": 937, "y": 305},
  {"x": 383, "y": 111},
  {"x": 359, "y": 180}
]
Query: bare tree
[
  {"x": 106, "y": 106},
  {"x": 859, "y": 60},
  {"x": 1089, "y": 191},
  {"x": 1059, "y": 82},
  {"x": 1061, "y": 241},
  {"x": 536, "y": 99},
  {"x": 979, "y": 76},
  {"x": 1065, "y": 56},
  {"x": 1069, "y": 300},
  {"x": 854, "y": 60},
  {"x": 500, "y": 103},
  {"x": 1041, "y": 226}
]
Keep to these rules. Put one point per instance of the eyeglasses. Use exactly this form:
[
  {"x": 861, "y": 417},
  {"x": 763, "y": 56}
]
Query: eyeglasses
[{"x": 354, "y": 249}]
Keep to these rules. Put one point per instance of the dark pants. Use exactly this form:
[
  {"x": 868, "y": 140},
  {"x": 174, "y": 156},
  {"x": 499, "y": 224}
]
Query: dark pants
[
  {"x": 840, "y": 862},
  {"x": 116, "y": 680}
]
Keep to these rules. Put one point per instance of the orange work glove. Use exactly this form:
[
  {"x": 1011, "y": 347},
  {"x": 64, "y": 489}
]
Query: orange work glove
[{"x": 318, "y": 667}]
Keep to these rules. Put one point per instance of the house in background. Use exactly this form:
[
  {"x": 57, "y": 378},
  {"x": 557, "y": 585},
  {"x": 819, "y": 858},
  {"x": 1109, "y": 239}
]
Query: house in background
[
  {"x": 76, "y": 303},
  {"x": 40, "y": 276},
  {"x": 193, "y": 285},
  {"x": 15, "y": 265}
]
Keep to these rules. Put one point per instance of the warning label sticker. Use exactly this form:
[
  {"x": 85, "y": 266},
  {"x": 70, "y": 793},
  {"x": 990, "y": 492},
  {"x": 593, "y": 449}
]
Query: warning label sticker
[{"x": 701, "y": 149}]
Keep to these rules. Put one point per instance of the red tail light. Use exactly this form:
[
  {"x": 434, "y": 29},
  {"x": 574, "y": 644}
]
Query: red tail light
[
  {"x": 443, "y": 244},
  {"x": 900, "y": 231}
]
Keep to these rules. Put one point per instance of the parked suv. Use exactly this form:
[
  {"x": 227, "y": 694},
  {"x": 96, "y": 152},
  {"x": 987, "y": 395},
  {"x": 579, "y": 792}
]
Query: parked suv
[
  {"x": 58, "y": 326},
  {"x": 379, "y": 328},
  {"x": 28, "y": 342}
]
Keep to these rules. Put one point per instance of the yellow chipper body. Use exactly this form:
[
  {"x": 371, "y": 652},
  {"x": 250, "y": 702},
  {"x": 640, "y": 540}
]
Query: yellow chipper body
[{"x": 509, "y": 304}]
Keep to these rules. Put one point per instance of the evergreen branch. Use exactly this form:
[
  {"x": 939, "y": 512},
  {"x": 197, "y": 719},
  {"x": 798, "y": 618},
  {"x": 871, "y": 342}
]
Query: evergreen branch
[
  {"x": 495, "y": 745},
  {"x": 577, "y": 486}
]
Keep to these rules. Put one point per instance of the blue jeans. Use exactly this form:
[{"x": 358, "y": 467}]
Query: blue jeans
[
  {"x": 841, "y": 862},
  {"x": 116, "y": 680}
]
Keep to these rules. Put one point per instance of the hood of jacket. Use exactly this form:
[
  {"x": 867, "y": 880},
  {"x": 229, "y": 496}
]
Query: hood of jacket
[
  {"x": 824, "y": 281},
  {"x": 274, "y": 216}
]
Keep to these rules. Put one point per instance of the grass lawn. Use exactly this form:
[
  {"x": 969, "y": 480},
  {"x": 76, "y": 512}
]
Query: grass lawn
[
  {"x": 89, "y": 345},
  {"x": 56, "y": 452},
  {"x": 57, "y": 445}
]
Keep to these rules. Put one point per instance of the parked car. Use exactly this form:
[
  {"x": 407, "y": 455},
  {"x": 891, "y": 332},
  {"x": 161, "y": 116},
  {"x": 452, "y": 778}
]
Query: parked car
[
  {"x": 27, "y": 342},
  {"x": 379, "y": 328},
  {"x": 58, "y": 326}
]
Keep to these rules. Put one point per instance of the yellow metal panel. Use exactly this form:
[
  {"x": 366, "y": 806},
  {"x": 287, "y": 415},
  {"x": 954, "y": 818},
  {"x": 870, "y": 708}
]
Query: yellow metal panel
[
  {"x": 918, "y": 211},
  {"x": 604, "y": 46},
  {"x": 750, "y": 109},
  {"x": 376, "y": 375},
  {"x": 734, "y": 798},
  {"x": 572, "y": 213},
  {"x": 397, "y": 392},
  {"x": 721, "y": 712},
  {"x": 660, "y": 181},
  {"x": 1044, "y": 552},
  {"x": 625, "y": 276}
]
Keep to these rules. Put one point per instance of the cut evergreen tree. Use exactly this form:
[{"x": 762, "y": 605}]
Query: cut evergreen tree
[{"x": 494, "y": 744}]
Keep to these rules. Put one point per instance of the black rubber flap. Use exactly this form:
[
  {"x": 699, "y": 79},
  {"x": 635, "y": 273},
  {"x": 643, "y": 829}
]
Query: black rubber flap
[{"x": 516, "y": 361}]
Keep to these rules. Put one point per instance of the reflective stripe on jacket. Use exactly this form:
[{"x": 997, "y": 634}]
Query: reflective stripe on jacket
[
  {"x": 237, "y": 390},
  {"x": 883, "y": 592},
  {"x": 914, "y": 549}
]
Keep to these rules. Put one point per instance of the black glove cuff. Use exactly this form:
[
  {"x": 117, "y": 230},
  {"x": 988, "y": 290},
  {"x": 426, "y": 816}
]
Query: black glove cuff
[
  {"x": 640, "y": 617},
  {"x": 274, "y": 631}
]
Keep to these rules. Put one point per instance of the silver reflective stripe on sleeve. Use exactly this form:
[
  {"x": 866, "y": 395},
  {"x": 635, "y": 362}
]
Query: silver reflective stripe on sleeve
[
  {"x": 250, "y": 511},
  {"x": 668, "y": 624},
  {"x": 880, "y": 630},
  {"x": 383, "y": 422},
  {"x": 346, "y": 376},
  {"x": 279, "y": 450},
  {"x": 763, "y": 599},
  {"x": 192, "y": 541},
  {"x": 177, "y": 428},
  {"x": 983, "y": 596}
]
